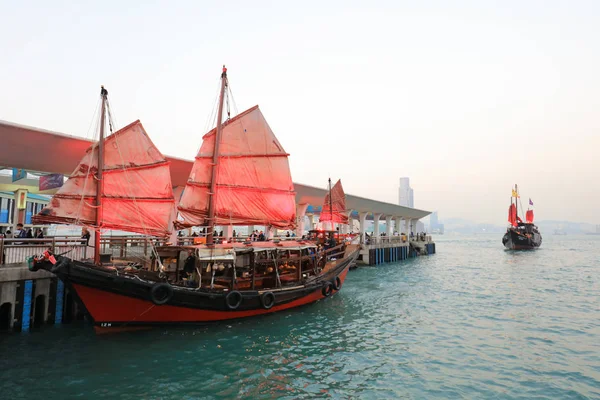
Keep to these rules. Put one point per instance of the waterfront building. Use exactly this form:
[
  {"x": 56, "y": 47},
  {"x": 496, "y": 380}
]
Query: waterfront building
[
  {"x": 406, "y": 194},
  {"x": 434, "y": 224}
]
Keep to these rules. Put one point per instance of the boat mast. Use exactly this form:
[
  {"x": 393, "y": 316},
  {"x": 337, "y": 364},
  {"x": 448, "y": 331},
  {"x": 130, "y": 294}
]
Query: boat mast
[
  {"x": 215, "y": 162},
  {"x": 330, "y": 205},
  {"x": 99, "y": 182},
  {"x": 516, "y": 205}
]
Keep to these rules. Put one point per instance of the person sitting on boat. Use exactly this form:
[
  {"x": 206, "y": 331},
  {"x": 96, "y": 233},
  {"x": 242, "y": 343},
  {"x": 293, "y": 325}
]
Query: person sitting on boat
[
  {"x": 331, "y": 242},
  {"x": 261, "y": 236},
  {"x": 189, "y": 266}
]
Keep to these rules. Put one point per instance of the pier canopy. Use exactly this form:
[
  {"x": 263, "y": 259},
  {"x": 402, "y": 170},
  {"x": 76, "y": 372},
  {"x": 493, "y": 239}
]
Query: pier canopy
[{"x": 306, "y": 194}]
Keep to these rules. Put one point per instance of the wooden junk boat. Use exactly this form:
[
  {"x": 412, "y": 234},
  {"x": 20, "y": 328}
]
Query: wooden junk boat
[
  {"x": 521, "y": 235},
  {"x": 240, "y": 176}
]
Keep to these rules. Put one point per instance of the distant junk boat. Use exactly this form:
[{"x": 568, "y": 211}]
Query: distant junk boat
[{"x": 521, "y": 235}]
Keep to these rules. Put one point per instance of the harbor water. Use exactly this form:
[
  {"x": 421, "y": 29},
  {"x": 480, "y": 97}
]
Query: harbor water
[{"x": 472, "y": 321}]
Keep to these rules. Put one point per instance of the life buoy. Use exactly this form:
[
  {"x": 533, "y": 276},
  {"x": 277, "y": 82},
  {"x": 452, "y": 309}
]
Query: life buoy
[
  {"x": 267, "y": 299},
  {"x": 337, "y": 283},
  {"x": 161, "y": 293},
  {"x": 327, "y": 289},
  {"x": 233, "y": 300}
]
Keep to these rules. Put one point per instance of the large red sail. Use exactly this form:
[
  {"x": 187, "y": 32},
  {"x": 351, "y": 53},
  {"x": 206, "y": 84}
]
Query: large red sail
[
  {"x": 334, "y": 208},
  {"x": 529, "y": 216},
  {"x": 512, "y": 215},
  {"x": 254, "y": 184},
  {"x": 137, "y": 194}
]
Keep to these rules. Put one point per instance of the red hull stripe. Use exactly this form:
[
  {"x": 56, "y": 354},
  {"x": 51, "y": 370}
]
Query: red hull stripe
[{"x": 110, "y": 307}]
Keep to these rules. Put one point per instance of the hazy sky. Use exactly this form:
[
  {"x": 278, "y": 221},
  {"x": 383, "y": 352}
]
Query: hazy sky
[{"x": 466, "y": 99}]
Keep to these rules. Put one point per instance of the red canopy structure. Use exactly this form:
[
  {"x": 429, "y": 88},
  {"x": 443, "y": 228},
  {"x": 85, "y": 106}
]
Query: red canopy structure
[
  {"x": 253, "y": 180},
  {"x": 137, "y": 194}
]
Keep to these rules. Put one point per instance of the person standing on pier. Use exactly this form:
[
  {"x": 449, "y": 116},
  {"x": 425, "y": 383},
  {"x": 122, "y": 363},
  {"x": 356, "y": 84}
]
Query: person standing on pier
[{"x": 85, "y": 234}]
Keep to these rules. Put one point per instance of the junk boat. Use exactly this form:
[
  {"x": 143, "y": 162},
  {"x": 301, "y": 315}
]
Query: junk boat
[
  {"x": 240, "y": 176},
  {"x": 521, "y": 235}
]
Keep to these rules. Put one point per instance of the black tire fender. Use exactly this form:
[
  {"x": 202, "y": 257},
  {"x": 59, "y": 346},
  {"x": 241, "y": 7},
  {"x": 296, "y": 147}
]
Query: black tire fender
[
  {"x": 267, "y": 300},
  {"x": 327, "y": 289},
  {"x": 336, "y": 283},
  {"x": 233, "y": 299},
  {"x": 321, "y": 263},
  {"x": 161, "y": 293},
  {"x": 61, "y": 263}
]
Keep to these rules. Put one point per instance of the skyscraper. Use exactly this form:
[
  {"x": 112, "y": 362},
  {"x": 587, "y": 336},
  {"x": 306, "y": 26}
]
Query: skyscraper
[
  {"x": 434, "y": 224},
  {"x": 405, "y": 194}
]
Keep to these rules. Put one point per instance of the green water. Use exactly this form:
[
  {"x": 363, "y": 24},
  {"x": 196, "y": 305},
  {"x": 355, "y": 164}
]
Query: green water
[{"x": 473, "y": 321}]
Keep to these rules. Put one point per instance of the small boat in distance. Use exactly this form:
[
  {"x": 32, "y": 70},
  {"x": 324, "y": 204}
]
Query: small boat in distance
[{"x": 521, "y": 235}]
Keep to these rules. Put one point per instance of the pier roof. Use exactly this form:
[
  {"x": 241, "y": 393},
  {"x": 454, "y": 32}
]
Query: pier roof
[{"x": 41, "y": 150}]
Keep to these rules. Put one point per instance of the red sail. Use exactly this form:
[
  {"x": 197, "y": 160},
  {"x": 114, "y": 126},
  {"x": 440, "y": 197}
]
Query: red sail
[
  {"x": 254, "y": 184},
  {"x": 512, "y": 215},
  {"x": 529, "y": 216},
  {"x": 137, "y": 195},
  {"x": 335, "y": 210}
]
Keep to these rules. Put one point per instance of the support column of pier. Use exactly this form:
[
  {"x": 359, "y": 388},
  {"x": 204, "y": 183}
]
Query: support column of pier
[
  {"x": 376, "y": 218},
  {"x": 300, "y": 214},
  {"x": 362, "y": 219},
  {"x": 20, "y": 207},
  {"x": 311, "y": 221},
  {"x": 228, "y": 232},
  {"x": 407, "y": 227},
  {"x": 398, "y": 225},
  {"x": 388, "y": 226},
  {"x": 413, "y": 225},
  {"x": 348, "y": 226}
]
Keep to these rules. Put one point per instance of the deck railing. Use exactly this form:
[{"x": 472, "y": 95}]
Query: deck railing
[
  {"x": 127, "y": 248},
  {"x": 376, "y": 240},
  {"x": 17, "y": 250}
]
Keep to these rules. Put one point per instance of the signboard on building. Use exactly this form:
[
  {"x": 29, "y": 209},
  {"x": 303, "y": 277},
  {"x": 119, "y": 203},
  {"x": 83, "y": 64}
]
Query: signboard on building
[
  {"x": 18, "y": 173},
  {"x": 21, "y": 199},
  {"x": 51, "y": 181}
]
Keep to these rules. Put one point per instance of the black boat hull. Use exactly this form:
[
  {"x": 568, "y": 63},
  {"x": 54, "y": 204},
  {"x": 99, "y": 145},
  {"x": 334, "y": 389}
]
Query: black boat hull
[
  {"x": 117, "y": 302},
  {"x": 515, "y": 240}
]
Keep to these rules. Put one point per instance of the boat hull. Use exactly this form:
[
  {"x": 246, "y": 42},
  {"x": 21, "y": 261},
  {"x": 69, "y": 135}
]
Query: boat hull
[
  {"x": 514, "y": 240},
  {"x": 117, "y": 302}
]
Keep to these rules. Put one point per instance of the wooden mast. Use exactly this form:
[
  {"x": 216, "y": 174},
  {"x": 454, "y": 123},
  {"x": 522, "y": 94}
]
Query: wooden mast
[
  {"x": 215, "y": 162},
  {"x": 330, "y": 205},
  {"x": 99, "y": 182},
  {"x": 516, "y": 205}
]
